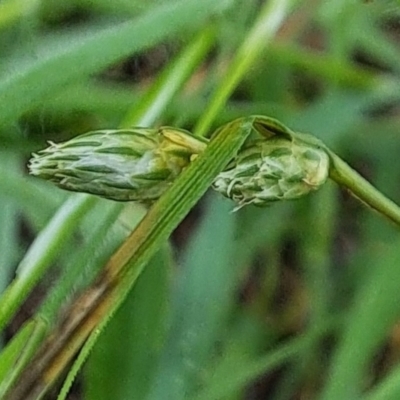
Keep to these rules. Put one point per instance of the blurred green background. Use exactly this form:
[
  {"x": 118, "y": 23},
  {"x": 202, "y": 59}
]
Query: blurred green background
[{"x": 300, "y": 300}]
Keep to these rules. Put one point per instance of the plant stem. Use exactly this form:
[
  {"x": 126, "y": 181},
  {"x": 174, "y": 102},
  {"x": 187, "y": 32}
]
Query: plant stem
[
  {"x": 271, "y": 17},
  {"x": 42, "y": 252},
  {"x": 170, "y": 81},
  {"x": 346, "y": 176}
]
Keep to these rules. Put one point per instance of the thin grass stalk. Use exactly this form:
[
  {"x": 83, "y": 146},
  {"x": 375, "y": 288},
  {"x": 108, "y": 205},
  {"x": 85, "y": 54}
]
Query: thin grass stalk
[
  {"x": 11, "y": 11},
  {"x": 176, "y": 74},
  {"x": 254, "y": 369},
  {"x": 260, "y": 36},
  {"x": 42, "y": 253},
  {"x": 359, "y": 187}
]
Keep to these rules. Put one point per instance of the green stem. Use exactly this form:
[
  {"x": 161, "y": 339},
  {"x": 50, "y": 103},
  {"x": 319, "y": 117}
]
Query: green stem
[
  {"x": 271, "y": 17},
  {"x": 11, "y": 11},
  {"x": 19, "y": 351},
  {"x": 242, "y": 375},
  {"x": 42, "y": 252},
  {"x": 345, "y": 176},
  {"x": 83, "y": 265},
  {"x": 388, "y": 388},
  {"x": 327, "y": 66},
  {"x": 8, "y": 230},
  {"x": 170, "y": 81}
]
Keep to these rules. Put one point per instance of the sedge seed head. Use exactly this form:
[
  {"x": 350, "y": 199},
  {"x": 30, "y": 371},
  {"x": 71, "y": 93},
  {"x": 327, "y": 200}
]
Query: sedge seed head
[
  {"x": 271, "y": 170},
  {"x": 135, "y": 164}
]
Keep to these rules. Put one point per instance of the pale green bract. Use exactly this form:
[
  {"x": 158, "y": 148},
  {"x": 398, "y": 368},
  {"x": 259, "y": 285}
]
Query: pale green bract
[
  {"x": 137, "y": 164},
  {"x": 274, "y": 169}
]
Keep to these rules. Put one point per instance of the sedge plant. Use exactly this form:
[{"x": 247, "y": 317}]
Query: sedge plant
[
  {"x": 139, "y": 165},
  {"x": 253, "y": 160},
  {"x": 280, "y": 165}
]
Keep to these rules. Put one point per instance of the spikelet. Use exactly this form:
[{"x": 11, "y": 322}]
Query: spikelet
[
  {"x": 275, "y": 169},
  {"x": 137, "y": 164}
]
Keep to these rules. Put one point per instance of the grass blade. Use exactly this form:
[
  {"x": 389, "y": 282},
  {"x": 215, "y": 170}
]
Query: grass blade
[
  {"x": 378, "y": 296},
  {"x": 265, "y": 28},
  {"x": 42, "y": 253},
  {"x": 199, "y": 298},
  {"x": 79, "y": 54}
]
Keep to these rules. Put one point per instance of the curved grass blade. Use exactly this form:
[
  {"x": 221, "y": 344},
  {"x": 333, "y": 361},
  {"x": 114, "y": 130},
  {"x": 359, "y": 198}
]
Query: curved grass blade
[
  {"x": 40, "y": 254},
  {"x": 271, "y": 18},
  {"x": 96, "y": 306},
  {"x": 26, "y": 81},
  {"x": 377, "y": 296}
]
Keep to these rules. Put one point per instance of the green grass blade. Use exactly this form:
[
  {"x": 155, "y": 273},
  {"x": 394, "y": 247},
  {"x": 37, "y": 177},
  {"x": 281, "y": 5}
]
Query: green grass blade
[
  {"x": 172, "y": 79},
  {"x": 40, "y": 255},
  {"x": 205, "y": 290},
  {"x": 379, "y": 297},
  {"x": 18, "y": 352},
  {"x": 12, "y": 10},
  {"x": 37, "y": 200},
  {"x": 84, "y": 264},
  {"x": 12, "y": 351},
  {"x": 271, "y": 17},
  {"x": 9, "y": 224},
  {"x": 142, "y": 318},
  {"x": 388, "y": 388},
  {"x": 246, "y": 373},
  {"x": 25, "y": 82}
]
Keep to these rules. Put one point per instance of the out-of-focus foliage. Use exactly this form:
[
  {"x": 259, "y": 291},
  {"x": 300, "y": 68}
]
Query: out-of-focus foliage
[{"x": 299, "y": 300}]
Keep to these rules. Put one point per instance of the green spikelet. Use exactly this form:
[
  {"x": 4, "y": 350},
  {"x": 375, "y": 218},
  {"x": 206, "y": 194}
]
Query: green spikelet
[
  {"x": 139, "y": 164},
  {"x": 136, "y": 164},
  {"x": 279, "y": 168}
]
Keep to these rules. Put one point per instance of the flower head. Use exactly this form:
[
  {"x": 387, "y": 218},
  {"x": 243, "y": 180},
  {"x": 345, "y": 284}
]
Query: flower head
[
  {"x": 139, "y": 164},
  {"x": 122, "y": 164},
  {"x": 279, "y": 168}
]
